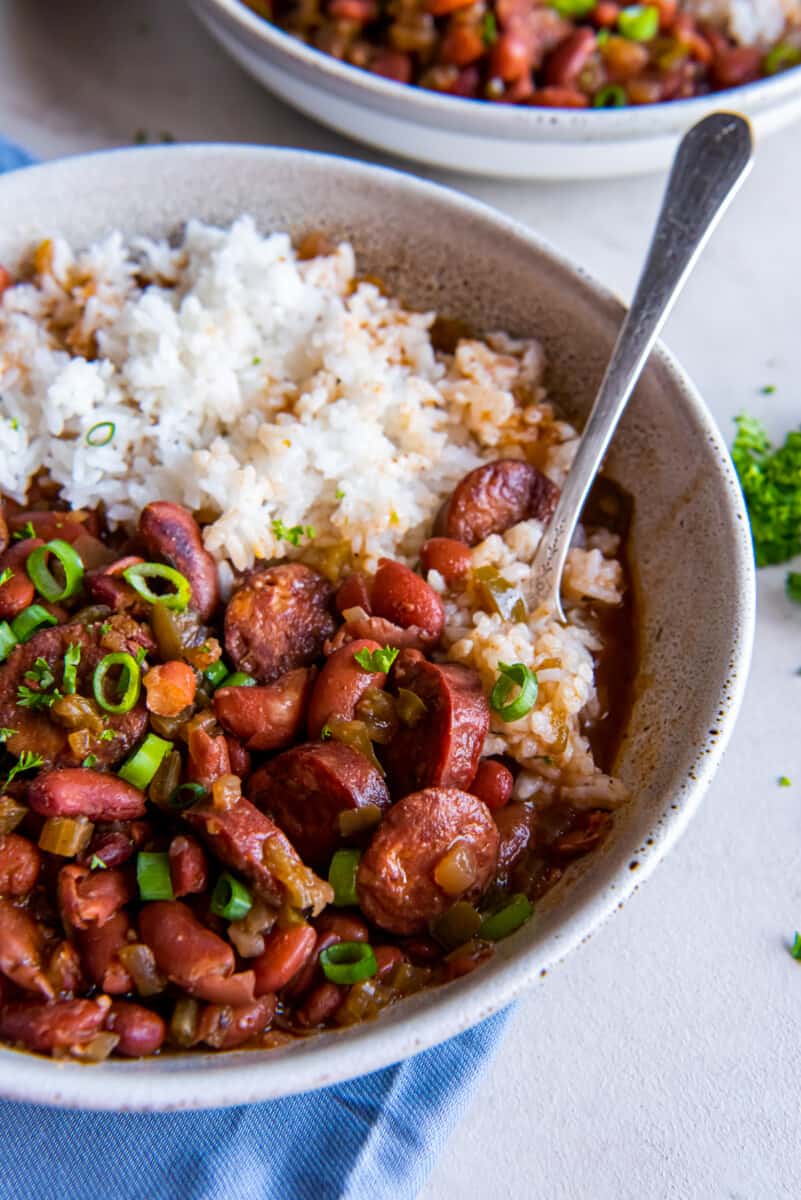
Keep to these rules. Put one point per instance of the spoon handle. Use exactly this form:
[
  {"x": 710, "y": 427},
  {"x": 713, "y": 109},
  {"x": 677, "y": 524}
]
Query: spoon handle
[{"x": 712, "y": 160}]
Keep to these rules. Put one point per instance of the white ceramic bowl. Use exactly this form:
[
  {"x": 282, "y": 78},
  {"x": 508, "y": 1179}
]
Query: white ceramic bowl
[
  {"x": 472, "y": 135},
  {"x": 690, "y": 548}
]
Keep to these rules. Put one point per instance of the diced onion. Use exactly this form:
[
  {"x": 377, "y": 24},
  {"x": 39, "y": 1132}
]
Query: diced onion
[
  {"x": 66, "y": 836},
  {"x": 11, "y": 813},
  {"x": 97, "y": 1049},
  {"x": 140, "y": 963},
  {"x": 455, "y": 872},
  {"x": 226, "y": 791},
  {"x": 183, "y": 1024},
  {"x": 355, "y": 820}
]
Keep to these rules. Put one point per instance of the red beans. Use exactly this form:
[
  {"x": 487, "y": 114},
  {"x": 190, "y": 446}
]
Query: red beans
[
  {"x": 341, "y": 685},
  {"x": 171, "y": 533},
  {"x": 224, "y": 1027},
  {"x": 269, "y": 717},
  {"x": 21, "y": 950},
  {"x": 80, "y": 792},
  {"x": 493, "y": 783},
  {"x": 397, "y": 880},
  {"x": 559, "y": 97},
  {"x": 208, "y": 757},
  {"x": 353, "y": 592},
  {"x": 450, "y": 558},
  {"x": 510, "y": 58},
  {"x": 732, "y": 67},
  {"x": 285, "y": 953},
  {"x": 235, "y": 990},
  {"x": 387, "y": 958},
  {"x": 462, "y": 44},
  {"x": 401, "y": 596},
  {"x": 188, "y": 867},
  {"x": 99, "y": 947},
  {"x": 496, "y": 496},
  {"x": 185, "y": 951},
  {"x": 332, "y": 928},
  {"x": 91, "y": 897},
  {"x": 568, "y": 60},
  {"x": 320, "y": 1004},
  {"x": 140, "y": 1030},
  {"x": 48, "y": 1027},
  {"x": 20, "y": 862}
]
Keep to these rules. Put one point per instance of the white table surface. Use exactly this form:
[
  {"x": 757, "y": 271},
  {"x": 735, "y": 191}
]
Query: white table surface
[{"x": 663, "y": 1059}]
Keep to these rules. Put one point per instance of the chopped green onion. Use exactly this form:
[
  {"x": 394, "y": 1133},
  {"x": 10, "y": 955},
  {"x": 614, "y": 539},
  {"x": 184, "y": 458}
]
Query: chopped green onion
[
  {"x": 489, "y": 29},
  {"x": 795, "y": 949},
  {"x": 342, "y": 877},
  {"x": 573, "y": 8},
  {"x": 108, "y": 735},
  {"x": 780, "y": 58},
  {"x": 216, "y": 673},
  {"x": 97, "y": 864},
  {"x": 139, "y": 574},
  {"x": 339, "y": 494},
  {"x": 26, "y": 532},
  {"x": 129, "y": 682},
  {"x": 153, "y": 876},
  {"x": 602, "y": 37},
  {"x": 230, "y": 898},
  {"x": 5, "y": 575},
  {"x": 71, "y": 660},
  {"x": 5, "y": 734},
  {"x": 240, "y": 679},
  {"x": 8, "y": 640},
  {"x": 326, "y": 732},
  {"x": 784, "y": 781},
  {"x": 348, "y": 962},
  {"x": 101, "y": 433},
  {"x": 768, "y": 389},
  {"x": 30, "y": 621},
  {"x": 611, "y": 96},
  {"x": 511, "y": 675},
  {"x": 507, "y": 919},
  {"x": 90, "y": 761},
  {"x": 140, "y": 768},
  {"x": 377, "y": 660},
  {"x": 293, "y": 535},
  {"x": 639, "y": 22},
  {"x": 43, "y": 579},
  {"x": 185, "y": 795}
]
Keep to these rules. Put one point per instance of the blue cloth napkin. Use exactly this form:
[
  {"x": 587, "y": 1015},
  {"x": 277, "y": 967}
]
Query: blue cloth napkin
[{"x": 375, "y": 1138}]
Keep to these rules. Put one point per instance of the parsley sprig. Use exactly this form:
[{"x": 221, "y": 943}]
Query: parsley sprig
[
  {"x": 27, "y": 761},
  {"x": 294, "y": 533},
  {"x": 771, "y": 483},
  {"x": 376, "y": 660},
  {"x": 44, "y": 694}
]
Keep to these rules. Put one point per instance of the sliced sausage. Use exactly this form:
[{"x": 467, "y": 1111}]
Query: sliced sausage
[
  {"x": 278, "y": 620},
  {"x": 185, "y": 951},
  {"x": 81, "y": 792},
  {"x": 36, "y": 730},
  {"x": 20, "y": 862},
  {"x": 403, "y": 597},
  {"x": 493, "y": 498},
  {"x": 451, "y": 559},
  {"x": 140, "y": 1030},
  {"x": 224, "y": 1027},
  {"x": 285, "y": 952},
  {"x": 341, "y": 684},
  {"x": 268, "y": 717},
  {"x": 171, "y": 533},
  {"x": 443, "y": 749},
  {"x": 246, "y": 840},
  {"x": 306, "y": 788},
  {"x": 320, "y": 1004},
  {"x": 493, "y": 783},
  {"x": 21, "y": 945},
  {"x": 46, "y": 1027},
  {"x": 396, "y": 882},
  {"x": 91, "y": 897},
  {"x": 189, "y": 870},
  {"x": 99, "y": 947}
]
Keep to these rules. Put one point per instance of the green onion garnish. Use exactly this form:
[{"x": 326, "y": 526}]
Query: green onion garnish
[
  {"x": 795, "y": 949},
  {"x": 780, "y": 58},
  {"x": 8, "y": 640},
  {"x": 71, "y": 660},
  {"x": 785, "y": 781},
  {"x": 185, "y": 795},
  {"x": 489, "y": 29},
  {"x": 101, "y": 433},
  {"x": 511, "y": 675},
  {"x": 140, "y": 573},
  {"x": 240, "y": 679},
  {"x": 611, "y": 96},
  {"x": 342, "y": 877},
  {"x": 140, "y": 768},
  {"x": 230, "y": 898},
  {"x": 26, "y": 532},
  {"x": 348, "y": 962},
  {"x": 97, "y": 864},
  {"x": 90, "y": 761},
  {"x": 42, "y": 578},
  {"x": 376, "y": 660},
  {"x": 129, "y": 682},
  {"x": 573, "y": 8},
  {"x": 507, "y": 919},
  {"x": 30, "y": 621},
  {"x": 639, "y": 22},
  {"x": 216, "y": 673},
  {"x": 153, "y": 876}
]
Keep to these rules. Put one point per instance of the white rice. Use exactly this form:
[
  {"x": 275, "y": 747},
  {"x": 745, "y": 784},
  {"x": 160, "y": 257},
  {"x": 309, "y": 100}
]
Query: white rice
[
  {"x": 254, "y": 387},
  {"x": 749, "y": 22}
]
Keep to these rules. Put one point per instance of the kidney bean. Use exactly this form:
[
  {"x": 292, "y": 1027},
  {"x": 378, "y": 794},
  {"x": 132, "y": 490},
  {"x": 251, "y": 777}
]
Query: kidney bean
[
  {"x": 378, "y": 629},
  {"x": 401, "y": 596},
  {"x": 114, "y": 846},
  {"x": 188, "y": 866},
  {"x": 91, "y": 897},
  {"x": 20, "y": 862},
  {"x": 346, "y": 927},
  {"x": 46, "y": 1027},
  {"x": 335, "y": 927},
  {"x": 461, "y": 44},
  {"x": 21, "y": 943},
  {"x": 353, "y": 10},
  {"x": 80, "y": 792},
  {"x": 667, "y": 14},
  {"x": 99, "y": 947},
  {"x": 64, "y": 969},
  {"x": 493, "y": 783},
  {"x": 239, "y": 758},
  {"x": 451, "y": 559},
  {"x": 736, "y": 65},
  {"x": 463, "y": 962},
  {"x": 567, "y": 61},
  {"x": 285, "y": 952},
  {"x": 235, "y": 990},
  {"x": 341, "y": 685},
  {"x": 605, "y": 14},
  {"x": 515, "y": 824},
  {"x": 170, "y": 688},
  {"x": 685, "y": 30},
  {"x": 208, "y": 757},
  {"x": 623, "y": 59},
  {"x": 171, "y": 532},
  {"x": 510, "y": 58},
  {"x": 66, "y": 526},
  {"x": 185, "y": 951},
  {"x": 353, "y": 592},
  {"x": 392, "y": 64},
  {"x": 18, "y": 592},
  {"x": 140, "y": 1030},
  {"x": 268, "y": 717},
  {"x": 224, "y": 1027},
  {"x": 588, "y": 831},
  {"x": 422, "y": 951},
  {"x": 105, "y": 586},
  {"x": 559, "y": 97},
  {"x": 387, "y": 958},
  {"x": 320, "y": 1004}
]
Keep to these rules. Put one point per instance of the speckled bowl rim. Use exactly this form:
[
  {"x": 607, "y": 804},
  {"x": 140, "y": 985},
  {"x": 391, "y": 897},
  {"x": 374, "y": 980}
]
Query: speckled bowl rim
[
  {"x": 499, "y": 120},
  {"x": 244, "y": 1077}
]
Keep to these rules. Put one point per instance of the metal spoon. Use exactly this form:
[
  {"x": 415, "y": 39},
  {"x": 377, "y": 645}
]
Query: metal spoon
[{"x": 711, "y": 162}]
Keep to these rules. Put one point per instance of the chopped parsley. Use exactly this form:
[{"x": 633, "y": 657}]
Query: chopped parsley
[
  {"x": 768, "y": 389},
  {"x": 27, "y": 761},
  {"x": 339, "y": 494},
  {"x": 489, "y": 29},
  {"x": 33, "y": 699},
  {"x": 256, "y": 360},
  {"x": 97, "y": 864},
  {"x": 784, "y": 781},
  {"x": 326, "y": 733},
  {"x": 293, "y": 534},
  {"x": 5, "y": 575},
  {"x": 26, "y": 532},
  {"x": 105, "y": 630},
  {"x": 108, "y": 735},
  {"x": 140, "y": 656},
  {"x": 44, "y": 694},
  {"x": 90, "y": 761},
  {"x": 376, "y": 660},
  {"x": 5, "y": 734},
  {"x": 771, "y": 483}
]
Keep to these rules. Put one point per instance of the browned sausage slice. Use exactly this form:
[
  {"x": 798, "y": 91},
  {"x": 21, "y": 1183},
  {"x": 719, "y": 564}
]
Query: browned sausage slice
[
  {"x": 397, "y": 882},
  {"x": 247, "y": 840},
  {"x": 81, "y": 792},
  {"x": 495, "y": 497},
  {"x": 268, "y": 717},
  {"x": 306, "y": 788},
  {"x": 171, "y": 532},
  {"x": 278, "y": 620},
  {"x": 444, "y": 748}
]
